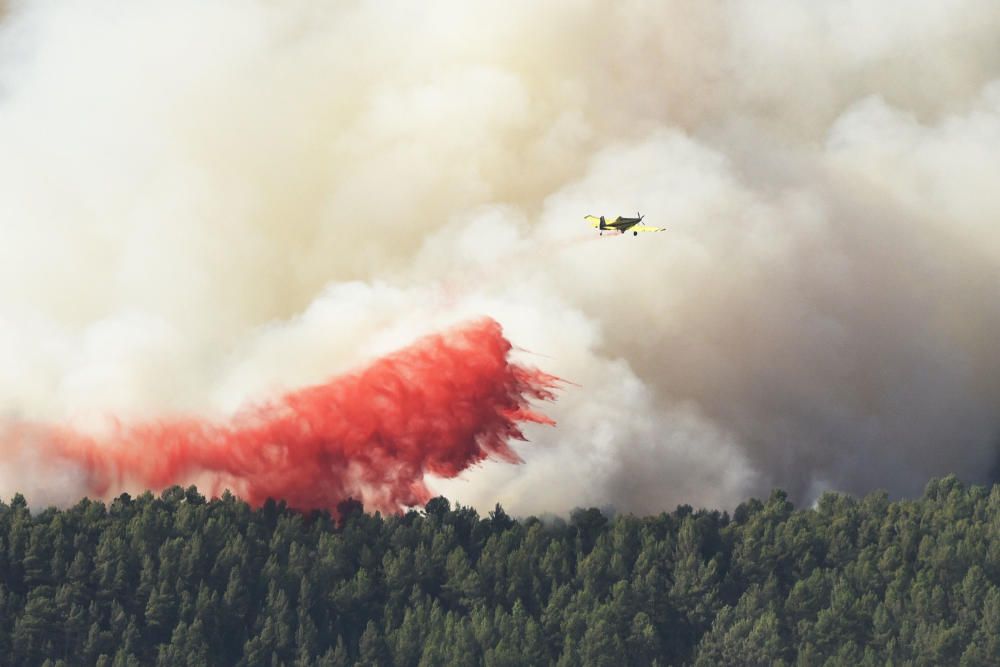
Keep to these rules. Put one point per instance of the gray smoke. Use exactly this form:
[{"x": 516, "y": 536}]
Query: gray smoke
[{"x": 203, "y": 204}]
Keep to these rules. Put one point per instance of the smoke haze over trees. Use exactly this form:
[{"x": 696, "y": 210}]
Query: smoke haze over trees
[{"x": 204, "y": 205}]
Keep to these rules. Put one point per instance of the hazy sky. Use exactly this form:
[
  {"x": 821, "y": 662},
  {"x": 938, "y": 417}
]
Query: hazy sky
[{"x": 204, "y": 204}]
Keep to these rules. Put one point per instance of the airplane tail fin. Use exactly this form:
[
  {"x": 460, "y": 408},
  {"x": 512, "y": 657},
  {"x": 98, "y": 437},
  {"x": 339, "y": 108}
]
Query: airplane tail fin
[{"x": 603, "y": 226}]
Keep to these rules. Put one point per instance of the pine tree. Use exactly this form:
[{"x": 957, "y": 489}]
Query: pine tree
[{"x": 372, "y": 649}]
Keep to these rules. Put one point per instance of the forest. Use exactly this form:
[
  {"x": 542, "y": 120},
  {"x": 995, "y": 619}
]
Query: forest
[{"x": 177, "y": 579}]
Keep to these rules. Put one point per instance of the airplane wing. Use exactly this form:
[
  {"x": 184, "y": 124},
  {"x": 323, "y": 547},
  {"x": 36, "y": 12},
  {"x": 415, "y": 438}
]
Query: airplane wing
[{"x": 646, "y": 228}]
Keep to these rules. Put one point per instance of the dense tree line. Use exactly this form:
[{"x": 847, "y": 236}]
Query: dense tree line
[{"x": 176, "y": 579}]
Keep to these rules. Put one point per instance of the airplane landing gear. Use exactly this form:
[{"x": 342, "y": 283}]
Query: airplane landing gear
[{"x": 635, "y": 233}]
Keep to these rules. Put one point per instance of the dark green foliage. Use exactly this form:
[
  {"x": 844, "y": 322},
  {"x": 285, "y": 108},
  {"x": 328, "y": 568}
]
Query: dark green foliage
[{"x": 176, "y": 579}]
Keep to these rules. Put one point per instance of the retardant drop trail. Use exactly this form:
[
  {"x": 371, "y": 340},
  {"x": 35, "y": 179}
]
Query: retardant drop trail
[{"x": 446, "y": 402}]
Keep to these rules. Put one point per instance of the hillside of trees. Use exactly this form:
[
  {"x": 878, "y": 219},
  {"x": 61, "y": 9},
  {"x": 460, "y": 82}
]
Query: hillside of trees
[{"x": 176, "y": 579}]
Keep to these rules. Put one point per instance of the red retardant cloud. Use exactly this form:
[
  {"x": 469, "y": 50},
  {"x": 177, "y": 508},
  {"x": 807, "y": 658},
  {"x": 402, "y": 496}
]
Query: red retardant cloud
[{"x": 439, "y": 406}]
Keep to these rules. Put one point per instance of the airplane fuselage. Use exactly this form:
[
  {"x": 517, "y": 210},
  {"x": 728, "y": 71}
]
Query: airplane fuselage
[
  {"x": 623, "y": 224},
  {"x": 620, "y": 224}
]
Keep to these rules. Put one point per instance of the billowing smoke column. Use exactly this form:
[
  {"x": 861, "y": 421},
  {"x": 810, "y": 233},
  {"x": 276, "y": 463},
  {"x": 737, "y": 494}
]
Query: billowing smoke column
[
  {"x": 438, "y": 406},
  {"x": 202, "y": 201}
]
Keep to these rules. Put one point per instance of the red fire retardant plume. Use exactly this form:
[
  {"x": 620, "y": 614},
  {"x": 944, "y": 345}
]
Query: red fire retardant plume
[{"x": 442, "y": 404}]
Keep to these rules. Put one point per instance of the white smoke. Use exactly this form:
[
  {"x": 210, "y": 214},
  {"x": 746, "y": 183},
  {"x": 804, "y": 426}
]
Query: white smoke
[{"x": 203, "y": 204}]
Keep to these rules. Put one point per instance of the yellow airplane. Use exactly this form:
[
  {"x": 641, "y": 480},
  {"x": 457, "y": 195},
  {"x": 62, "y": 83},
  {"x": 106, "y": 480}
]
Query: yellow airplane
[{"x": 621, "y": 224}]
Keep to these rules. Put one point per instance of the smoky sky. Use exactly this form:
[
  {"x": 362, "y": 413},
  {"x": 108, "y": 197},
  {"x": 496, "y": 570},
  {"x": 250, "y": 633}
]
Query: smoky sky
[{"x": 205, "y": 204}]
